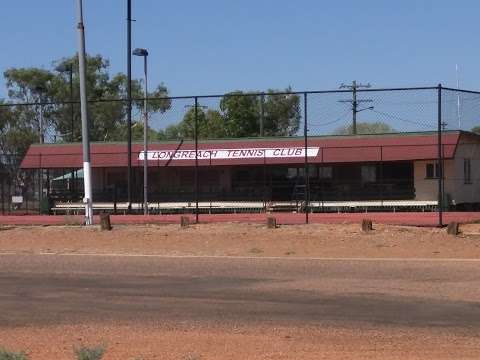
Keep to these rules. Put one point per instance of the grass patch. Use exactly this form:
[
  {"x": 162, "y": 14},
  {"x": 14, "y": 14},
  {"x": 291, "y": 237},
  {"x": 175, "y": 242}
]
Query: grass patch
[
  {"x": 256, "y": 251},
  {"x": 192, "y": 357},
  {"x": 87, "y": 353},
  {"x": 9, "y": 355}
]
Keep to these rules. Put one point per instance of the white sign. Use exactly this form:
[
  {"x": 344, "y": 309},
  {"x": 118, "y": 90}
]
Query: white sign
[
  {"x": 224, "y": 154},
  {"x": 17, "y": 199}
]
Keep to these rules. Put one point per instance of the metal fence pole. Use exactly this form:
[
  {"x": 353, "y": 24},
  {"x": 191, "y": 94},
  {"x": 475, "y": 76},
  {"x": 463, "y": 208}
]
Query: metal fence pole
[
  {"x": 196, "y": 159},
  {"x": 3, "y": 195},
  {"x": 381, "y": 177},
  {"x": 440, "y": 167},
  {"x": 307, "y": 182},
  {"x": 9, "y": 197},
  {"x": 40, "y": 184},
  {"x": 129, "y": 106}
]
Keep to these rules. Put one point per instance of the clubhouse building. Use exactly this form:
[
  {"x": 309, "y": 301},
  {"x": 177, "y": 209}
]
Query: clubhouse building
[{"x": 345, "y": 173}]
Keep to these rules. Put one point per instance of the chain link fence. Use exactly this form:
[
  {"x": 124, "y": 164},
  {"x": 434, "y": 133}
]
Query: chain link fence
[{"x": 305, "y": 152}]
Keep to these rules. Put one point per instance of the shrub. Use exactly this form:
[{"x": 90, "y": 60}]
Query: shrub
[
  {"x": 86, "y": 353},
  {"x": 8, "y": 355}
]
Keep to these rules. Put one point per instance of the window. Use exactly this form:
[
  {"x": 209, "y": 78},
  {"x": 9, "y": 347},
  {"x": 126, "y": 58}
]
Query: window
[
  {"x": 432, "y": 171},
  {"x": 312, "y": 171},
  {"x": 293, "y": 173},
  {"x": 326, "y": 172},
  {"x": 467, "y": 171},
  {"x": 369, "y": 173}
]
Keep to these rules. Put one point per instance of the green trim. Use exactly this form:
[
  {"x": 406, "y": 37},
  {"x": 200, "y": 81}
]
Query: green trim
[{"x": 273, "y": 138}]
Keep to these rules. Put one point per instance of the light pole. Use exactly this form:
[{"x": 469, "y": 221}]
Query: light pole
[
  {"x": 41, "y": 90},
  {"x": 129, "y": 105},
  {"x": 87, "y": 180},
  {"x": 69, "y": 68},
  {"x": 62, "y": 68},
  {"x": 144, "y": 53}
]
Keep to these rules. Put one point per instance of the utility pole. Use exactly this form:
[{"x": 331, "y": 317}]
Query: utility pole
[
  {"x": 355, "y": 102},
  {"x": 84, "y": 111},
  {"x": 129, "y": 105}
]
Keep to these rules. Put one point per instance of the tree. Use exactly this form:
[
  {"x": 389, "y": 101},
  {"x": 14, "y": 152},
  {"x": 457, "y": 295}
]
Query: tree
[
  {"x": 282, "y": 114},
  {"x": 210, "y": 125},
  {"x": 242, "y": 113},
  {"x": 239, "y": 115},
  {"x": 107, "y": 113},
  {"x": 15, "y": 138},
  {"x": 107, "y": 118},
  {"x": 31, "y": 85},
  {"x": 365, "y": 128},
  {"x": 476, "y": 130}
]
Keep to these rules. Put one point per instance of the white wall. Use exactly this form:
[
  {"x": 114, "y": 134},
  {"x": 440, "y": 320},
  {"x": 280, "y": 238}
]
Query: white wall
[{"x": 455, "y": 187}]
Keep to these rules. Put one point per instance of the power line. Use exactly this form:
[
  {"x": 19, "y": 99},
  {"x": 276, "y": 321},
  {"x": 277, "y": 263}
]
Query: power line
[
  {"x": 354, "y": 101},
  {"x": 400, "y": 119},
  {"x": 330, "y": 122}
]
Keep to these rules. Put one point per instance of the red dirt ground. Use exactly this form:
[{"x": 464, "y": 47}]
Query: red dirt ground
[{"x": 390, "y": 218}]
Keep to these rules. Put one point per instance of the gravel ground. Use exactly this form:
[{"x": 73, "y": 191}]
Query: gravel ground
[
  {"x": 248, "y": 240},
  {"x": 193, "y": 342},
  {"x": 422, "y": 292}
]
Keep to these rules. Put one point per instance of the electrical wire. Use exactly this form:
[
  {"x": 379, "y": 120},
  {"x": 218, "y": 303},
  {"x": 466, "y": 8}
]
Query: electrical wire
[
  {"x": 401, "y": 119},
  {"x": 313, "y": 124}
]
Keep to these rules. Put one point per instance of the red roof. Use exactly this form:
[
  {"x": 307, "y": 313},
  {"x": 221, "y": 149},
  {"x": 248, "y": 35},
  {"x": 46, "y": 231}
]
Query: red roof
[{"x": 324, "y": 149}]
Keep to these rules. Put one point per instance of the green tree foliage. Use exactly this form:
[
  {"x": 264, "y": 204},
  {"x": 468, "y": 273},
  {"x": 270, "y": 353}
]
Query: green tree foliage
[
  {"x": 210, "y": 125},
  {"x": 15, "y": 138},
  {"x": 365, "y": 128},
  {"x": 240, "y": 115},
  {"x": 107, "y": 118},
  {"x": 476, "y": 129}
]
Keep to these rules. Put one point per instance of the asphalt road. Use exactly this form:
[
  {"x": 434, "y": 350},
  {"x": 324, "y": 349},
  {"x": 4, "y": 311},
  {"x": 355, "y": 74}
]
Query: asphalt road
[{"x": 55, "y": 289}]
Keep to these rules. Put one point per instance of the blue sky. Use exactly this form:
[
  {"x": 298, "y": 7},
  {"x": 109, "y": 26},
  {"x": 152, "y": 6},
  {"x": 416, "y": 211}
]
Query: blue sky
[{"x": 215, "y": 46}]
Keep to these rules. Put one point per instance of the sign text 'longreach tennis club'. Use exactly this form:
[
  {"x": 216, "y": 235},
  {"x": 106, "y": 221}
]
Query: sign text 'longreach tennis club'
[{"x": 253, "y": 153}]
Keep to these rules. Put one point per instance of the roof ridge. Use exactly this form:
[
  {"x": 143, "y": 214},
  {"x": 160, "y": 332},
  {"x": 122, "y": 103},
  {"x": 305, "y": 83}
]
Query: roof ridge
[{"x": 272, "y": 138}]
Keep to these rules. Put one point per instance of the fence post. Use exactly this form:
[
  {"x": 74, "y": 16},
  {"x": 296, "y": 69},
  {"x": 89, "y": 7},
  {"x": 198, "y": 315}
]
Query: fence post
[
  {"x": 322, "y": 179},
  {"x": 9, "y": 197},
  {"x": 306, "y": 176},
  {"x": 381, "y": 177},
  {"x": 115, "y": 199},
  {"x": 40, "y": 183},
  {"x": 265, "y": 182},
  {"x": 439, "y": 160},
  {"x": 196, "y": 159},
  {"x": 3, "y": 195}
]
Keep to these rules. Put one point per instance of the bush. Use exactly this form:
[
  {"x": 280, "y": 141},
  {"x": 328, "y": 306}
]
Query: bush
[
  {"x": 86, "y": 353},
  {"x": 8, "y": 355}
]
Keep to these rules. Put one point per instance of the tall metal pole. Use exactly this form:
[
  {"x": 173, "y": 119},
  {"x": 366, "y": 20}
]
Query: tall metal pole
[
  {"x": 40, "y": 123},
  {"x": 72, "y": 137},
  {"x": 354, "y": 108},
  {"x": 458, "y": 97},
  {"x": 440, "y": 160},
  {"x": 196, "y": 159},
  {"x": 84, "y": 111},
  {"x": 145, "y": 143},
  {"x": 129, "y": 104},
  {"x": 307, "y": 177},
  {"x": 262, "y": 114}
]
